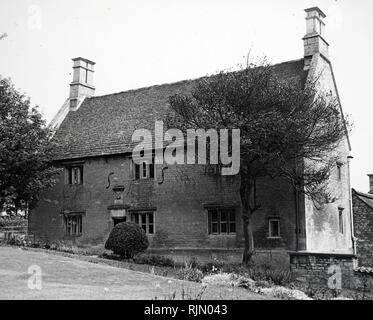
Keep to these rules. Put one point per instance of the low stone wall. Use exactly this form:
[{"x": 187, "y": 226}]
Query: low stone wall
[
  {"x": 7, "y": 233},
  {"x": 272, "y": 257},
  {"x": 321, "y": 270},
  {"x": 363, "y": 281}
]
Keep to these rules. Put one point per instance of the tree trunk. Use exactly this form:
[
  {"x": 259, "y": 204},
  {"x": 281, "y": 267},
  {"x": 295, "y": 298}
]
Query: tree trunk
[
  {"x": 248, "y": 207},
  {"x": 249, "y": 239}
]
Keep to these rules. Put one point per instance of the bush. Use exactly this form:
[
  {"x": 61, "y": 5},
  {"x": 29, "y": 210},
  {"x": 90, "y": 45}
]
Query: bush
[
  {"x": 193, "y": 263},
  {"x": 190, "y": 274},
  {"x": 212, "y": 267},
  {"x": 277, "y": 276},
  {"x": 127, "y": 239}
]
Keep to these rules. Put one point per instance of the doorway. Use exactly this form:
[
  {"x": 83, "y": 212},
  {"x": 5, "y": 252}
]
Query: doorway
[{"x": 119, "y": 220}]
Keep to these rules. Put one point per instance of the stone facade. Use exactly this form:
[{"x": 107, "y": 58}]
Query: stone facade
[
  {"x": 180, "y": 206},
  {"x": 322, "y": 224}
]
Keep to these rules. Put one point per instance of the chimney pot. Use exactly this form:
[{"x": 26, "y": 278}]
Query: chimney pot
[
  {"x": 370, "y": 183},
  {"x": 82, "y": 84}
]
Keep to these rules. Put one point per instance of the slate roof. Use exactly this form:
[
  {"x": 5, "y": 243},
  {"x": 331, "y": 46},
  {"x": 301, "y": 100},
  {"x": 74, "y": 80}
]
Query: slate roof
[
  {"x": 367, "y": 198},
  {"x": 103, "y": 125}
]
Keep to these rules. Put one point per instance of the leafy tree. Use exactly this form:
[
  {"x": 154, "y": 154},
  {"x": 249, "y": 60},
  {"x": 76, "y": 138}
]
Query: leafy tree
[
  {"x": 25, "y": 151},
  {"x": 288, "y": 130}
]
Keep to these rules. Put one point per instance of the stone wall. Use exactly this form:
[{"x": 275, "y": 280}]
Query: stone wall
[
  {"x": 179, "y": 204},
  {"x": 322, "y": 224},
  {"x": 329, "y": 271},
  {"x": 363, "y": 227}
]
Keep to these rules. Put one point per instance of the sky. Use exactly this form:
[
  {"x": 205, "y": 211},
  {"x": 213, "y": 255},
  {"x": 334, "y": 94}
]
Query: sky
[{"x": 142, "y": 43}]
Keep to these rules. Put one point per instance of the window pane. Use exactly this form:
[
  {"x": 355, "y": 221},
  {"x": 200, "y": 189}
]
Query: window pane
[
  {"x": 81, "y": 175},
  {"x": 150, "y": 217},
  {"x": 137, "y": 171},
  {"x": 275, "y": 228},
  {"x": 144, "y": 221},
  {"x": 339, "y": 171},
  {"x": 73, "y": 222},
  {"x": 151, "y": 168},
  {"x": 209, "y": 221},
  {"x": 214, "y": 216},
  {"x": 340, "y": 216},
  {"x": 232, "y": 215},
  {"x": 232, "y": 227},
  {"x": 143, "y": 218},
  {"x": 80, "y": 225},
  {"x": 76, "y": 176},
  {"x": 223, "y": 215},
  {"x": 151, "y": 228},
  {"x": 223, "y": 227},
  {"x": 144, "y": 170},
  {"x": 214, "y": 227},
  {"x": 135, "y": 218},
  {"x": 70, "y": 175}
]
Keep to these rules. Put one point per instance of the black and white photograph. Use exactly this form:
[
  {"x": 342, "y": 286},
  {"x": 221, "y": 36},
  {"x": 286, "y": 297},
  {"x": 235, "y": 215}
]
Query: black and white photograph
[{"x": 212, "y": 151}]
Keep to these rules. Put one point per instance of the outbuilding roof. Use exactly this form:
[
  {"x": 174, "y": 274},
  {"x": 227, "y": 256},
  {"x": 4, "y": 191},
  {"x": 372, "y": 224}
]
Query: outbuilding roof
[{"x": 367, "y": 198}]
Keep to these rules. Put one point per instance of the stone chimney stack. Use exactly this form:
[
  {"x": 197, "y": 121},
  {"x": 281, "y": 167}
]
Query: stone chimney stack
[
  {"x": 314, "y": 41},
  {"x": 82, "y": 85},
  {"x": 370, "y": 183}
]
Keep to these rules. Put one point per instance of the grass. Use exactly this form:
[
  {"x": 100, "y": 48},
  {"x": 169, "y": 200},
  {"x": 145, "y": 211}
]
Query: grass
[{"x": 264, "y": 274}]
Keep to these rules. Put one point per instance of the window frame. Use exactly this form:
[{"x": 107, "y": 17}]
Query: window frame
[
  {"x": 78, "y": 225},
  {"x": 136, "y": 216},
  {"x": 341, "y": 220},
  {"x": 71, "y": 178},
  {"x": 229, "y": 212},
  {"x": 339, "y": 171},
  {"x": 138, "y": 169},
  {"x": 270, "y": 235}
]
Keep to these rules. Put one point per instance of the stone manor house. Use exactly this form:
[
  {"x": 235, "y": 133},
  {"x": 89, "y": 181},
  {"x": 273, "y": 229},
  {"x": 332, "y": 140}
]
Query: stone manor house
[{"x": 183, "y": 207}]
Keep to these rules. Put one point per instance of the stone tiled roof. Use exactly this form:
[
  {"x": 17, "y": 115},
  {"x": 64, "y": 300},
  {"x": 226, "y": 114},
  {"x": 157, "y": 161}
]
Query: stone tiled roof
[
  {"x": 367, "y": 198},
  {"x": 103, "y": 125}
]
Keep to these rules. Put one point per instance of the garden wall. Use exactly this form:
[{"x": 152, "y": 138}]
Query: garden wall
[{"x": 323, "y": 270}]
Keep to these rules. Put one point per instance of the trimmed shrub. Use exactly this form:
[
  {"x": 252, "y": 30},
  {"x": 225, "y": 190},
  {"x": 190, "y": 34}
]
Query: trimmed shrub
[{"x": 127, "y": 239}]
